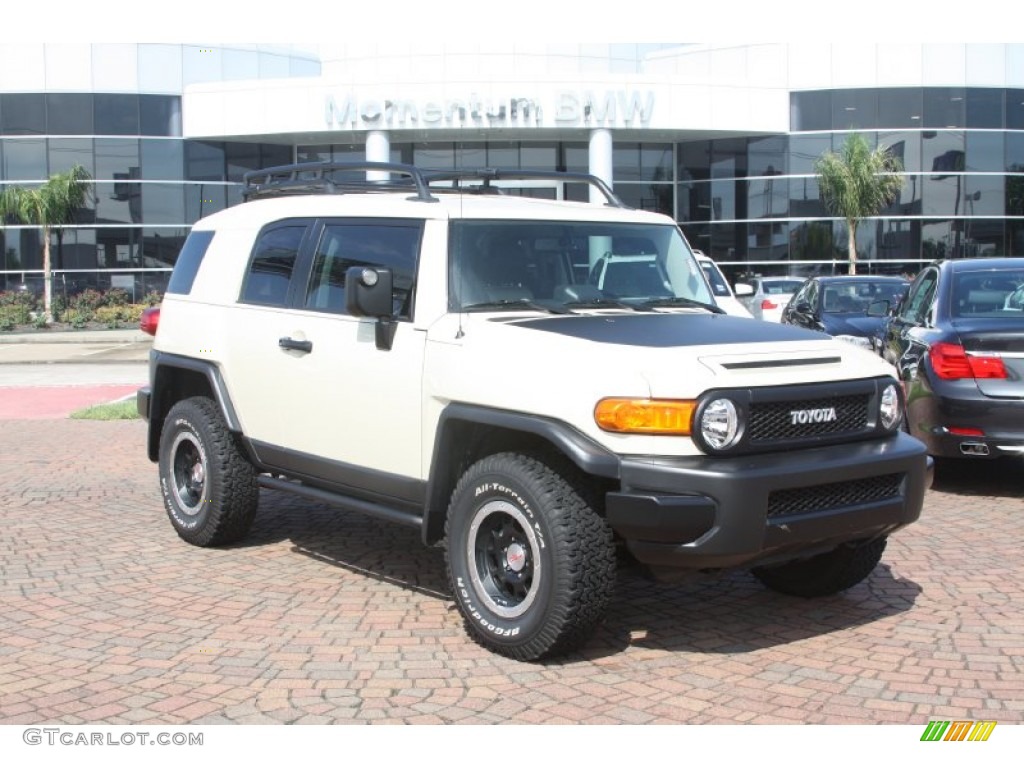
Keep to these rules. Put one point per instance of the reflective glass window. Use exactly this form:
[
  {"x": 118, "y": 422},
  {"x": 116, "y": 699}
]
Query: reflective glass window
[
  {"x": 906, "y": 145},
  {"x": 160, "y": 248},
  {"x": 941, "y": 193},
  {"x": 76, "y": 249},
  {"x": 767, "y": 197},
  {"x": 804, "y": 151},
  {"x": 983, "y": 196},
  {"x": 854, "y": 108},
  {"x": 805, "y": 198},
  {"x": 1014, "y": 237},
  {"x": 162, "y": 159},
  {"x": 118, "y": 248},
  {"x": 470, "y": 154},
  {"x": 314, "y": 153},
  {"x": 985, "y": 151},
  {"x": 647, "y": 197},
  {"x": 539, "y": 156},
  {"x": 811, "y": 111},
  {"x": 767, "y": 156},
  {"x": 204, "y": 161},
  {"x": 900, "y": 107},
  {"x": 116, "y": 114},
  {"x": 502, "y": 154},
  {"x": 69, "y": 114},
  {"x": 160, "y": 115},
  {"x": 437, "y": 156},
  {"x": 163, "y": 204},
  {"x": 25, "y": 159},
  {"x": 726, "y": 242},
  {"x": 22, "y": 114},
  {"x": 936, "y": 239},
  {"x": 118, "y": 202},
  {"x": 724, "y": 194},
  {"x": 241, "y": 157},
  {"x": 768, "y": 241},
  {"x": 1014, "y": 152},
  {"x": 694, "y": 201},
  {"x": 203, "y": 199},
  {"x": 117, "y": 159},
  {"x": 908, "y": 203},
  {"x": 697, "y": 236},
  {"x": 728, "y": 158},
  {"x": 575, "y": 157},
  {"x": 944, "y": 108},
  {"x": 277, "y": 154},
  {"x": 942, "y": 152},
  {"x": 983, "y": 237},
  {"x": 1015, "y": 109},
  {"x": 694, "y": 160},
  {"x": 985, "y": 107},
  {"x": 1015, "y": 195},
  {"x": 898, "y": 239},
  {"x": 65, "y": 153}
]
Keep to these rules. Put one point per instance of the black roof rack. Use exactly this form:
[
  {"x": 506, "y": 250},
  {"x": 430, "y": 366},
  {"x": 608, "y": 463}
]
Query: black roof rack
[
  {"x": 349, "y": 177},
  {"x": 334, "y": 178},
  {"x": 486, "y": 175}
]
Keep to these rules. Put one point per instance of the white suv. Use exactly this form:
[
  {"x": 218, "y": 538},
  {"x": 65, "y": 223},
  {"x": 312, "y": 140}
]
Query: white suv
[{"x": 536, "y": 384}]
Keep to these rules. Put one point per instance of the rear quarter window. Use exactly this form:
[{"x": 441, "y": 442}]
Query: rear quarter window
[{"x": 187, "y": 266}]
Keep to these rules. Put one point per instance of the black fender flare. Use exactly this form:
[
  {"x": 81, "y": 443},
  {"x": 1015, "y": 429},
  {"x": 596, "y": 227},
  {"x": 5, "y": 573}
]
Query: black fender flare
[
  {"x": 456, "y": 418},
  {"x": 161, "y": 367}
]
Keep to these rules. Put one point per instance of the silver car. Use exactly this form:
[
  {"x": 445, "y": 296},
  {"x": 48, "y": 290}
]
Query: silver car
[{"x": 770, "y": 296}]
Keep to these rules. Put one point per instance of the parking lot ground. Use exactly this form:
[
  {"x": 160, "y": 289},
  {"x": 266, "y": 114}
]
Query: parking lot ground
[{"x": 323, "y": 616}]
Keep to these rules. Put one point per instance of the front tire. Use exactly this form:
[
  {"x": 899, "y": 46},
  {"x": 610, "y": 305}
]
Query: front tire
[
  {"x": 530, "y": 562},
  {"x": 209, "y": 487},
  {"x": 824, "y": 574}
]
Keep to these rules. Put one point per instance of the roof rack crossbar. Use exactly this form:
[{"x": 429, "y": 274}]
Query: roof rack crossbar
[
  {"x": 314, "y": 177},
  {"x": 487, "y": 175}
]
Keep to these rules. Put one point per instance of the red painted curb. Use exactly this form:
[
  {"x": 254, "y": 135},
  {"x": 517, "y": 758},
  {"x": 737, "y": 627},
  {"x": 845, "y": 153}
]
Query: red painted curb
[{"x": 45, "y": 402}]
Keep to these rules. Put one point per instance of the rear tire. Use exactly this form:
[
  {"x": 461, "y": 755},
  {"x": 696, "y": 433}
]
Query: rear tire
[
  {"x": 209, "y": 487},
  {"x": 530, "y": 562},
  {"x": 824, "y": 574}
]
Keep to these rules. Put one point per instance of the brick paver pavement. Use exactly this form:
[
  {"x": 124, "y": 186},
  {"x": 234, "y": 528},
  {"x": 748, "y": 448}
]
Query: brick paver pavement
[{"x": 324, "y": 617}]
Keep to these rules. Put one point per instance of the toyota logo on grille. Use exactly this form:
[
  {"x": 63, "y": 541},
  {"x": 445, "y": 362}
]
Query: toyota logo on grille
[{"x": 812, "y": 416}]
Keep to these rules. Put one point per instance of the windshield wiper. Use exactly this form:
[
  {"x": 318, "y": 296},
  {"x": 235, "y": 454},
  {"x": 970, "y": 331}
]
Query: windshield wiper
[
  {"x": 557, "y": 309},
  {"x": 680, "y": 301}
]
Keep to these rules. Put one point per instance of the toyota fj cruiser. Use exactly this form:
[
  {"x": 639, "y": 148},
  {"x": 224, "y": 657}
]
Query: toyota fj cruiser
[{"x": 535, "y": 383}]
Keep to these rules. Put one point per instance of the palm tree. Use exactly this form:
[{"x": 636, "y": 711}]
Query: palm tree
[
  {"x": 858, "y": 182},
  {"x": 49, "y": 207}
]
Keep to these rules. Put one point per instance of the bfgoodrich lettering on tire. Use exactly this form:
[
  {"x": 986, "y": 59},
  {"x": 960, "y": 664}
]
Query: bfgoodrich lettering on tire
[
  {"x": 824, "y": 574},
  {"x": 209, "y": 488},
  {"x": 531, "y": 564}
]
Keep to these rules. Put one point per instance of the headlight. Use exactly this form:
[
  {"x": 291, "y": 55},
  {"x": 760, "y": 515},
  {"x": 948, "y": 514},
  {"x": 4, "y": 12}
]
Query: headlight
[
  {"x": 857, "y": 341},
  {"x": 719, "y": 423},
  {"x": 889, "y": 408}
]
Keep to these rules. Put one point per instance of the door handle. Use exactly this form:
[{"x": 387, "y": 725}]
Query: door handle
[{"x": 287, "y": 342}]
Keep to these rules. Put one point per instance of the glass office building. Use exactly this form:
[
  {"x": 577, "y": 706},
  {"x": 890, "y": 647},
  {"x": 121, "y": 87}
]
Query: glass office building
[{"x": 721, "y": 137}]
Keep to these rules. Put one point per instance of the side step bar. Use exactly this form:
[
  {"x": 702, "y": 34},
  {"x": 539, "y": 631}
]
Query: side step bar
[{"x": 358, "y": 505}]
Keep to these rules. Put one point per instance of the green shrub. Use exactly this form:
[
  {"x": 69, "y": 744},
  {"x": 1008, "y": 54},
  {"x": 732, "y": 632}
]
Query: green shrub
[
  {"x": 115, "y": 297},
  {"x": 152, "y": 299},
  {"x": 15, "y": 314},
  {"x": 6, "y": 320},
  {"x": 88, "y": 300},
  {"x": 77, "y": 318},
  {"x": 18, "y": 299}
]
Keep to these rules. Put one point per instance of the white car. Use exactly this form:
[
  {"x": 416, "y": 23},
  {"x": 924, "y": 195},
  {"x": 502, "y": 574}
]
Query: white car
[
  {"x": 769, "y": 296},
  {"x": 725, "y": 297}
]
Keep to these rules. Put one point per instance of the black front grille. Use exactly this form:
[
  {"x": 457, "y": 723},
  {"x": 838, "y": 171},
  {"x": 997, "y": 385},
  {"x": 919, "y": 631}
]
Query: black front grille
[
  {"x": 819, "y": 498},
  {"x": 795, "y": 420}
]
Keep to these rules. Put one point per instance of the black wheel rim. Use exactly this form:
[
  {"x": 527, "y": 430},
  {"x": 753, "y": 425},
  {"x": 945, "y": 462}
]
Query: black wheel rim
[
  {"x": 503, "y": 554},
  {"x": 188, "y": 473}
]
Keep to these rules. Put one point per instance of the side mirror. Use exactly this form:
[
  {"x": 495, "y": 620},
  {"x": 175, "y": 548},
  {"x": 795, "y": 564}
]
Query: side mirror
[
  {"x": 743, "y": 289},
  {"x": 802, "y": 308},
  {"x": 369, "y": 293}
]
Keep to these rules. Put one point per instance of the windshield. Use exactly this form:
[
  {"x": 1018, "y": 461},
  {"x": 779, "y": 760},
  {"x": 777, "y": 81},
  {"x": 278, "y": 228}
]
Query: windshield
[
  {"x": 716, "y": 278},
  {"x": 559, "y": 265},
  {"x": 852, "y": 297}
]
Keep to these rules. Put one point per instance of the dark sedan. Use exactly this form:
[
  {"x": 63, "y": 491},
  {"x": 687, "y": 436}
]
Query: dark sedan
[
  {"x": 957, "y": 341},
  {"x": 838, "y": 305}
]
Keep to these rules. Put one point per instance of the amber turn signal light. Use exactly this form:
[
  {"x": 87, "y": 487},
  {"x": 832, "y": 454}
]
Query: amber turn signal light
[{"x": 645, "y": 417}]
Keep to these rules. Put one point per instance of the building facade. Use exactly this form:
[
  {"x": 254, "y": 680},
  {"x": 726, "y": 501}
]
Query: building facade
[{"x": 721, "y": 137}]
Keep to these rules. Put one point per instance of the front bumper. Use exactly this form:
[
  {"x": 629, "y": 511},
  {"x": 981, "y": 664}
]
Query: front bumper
[{"x": 709, "y": 512}]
